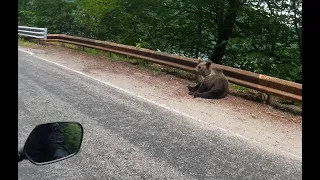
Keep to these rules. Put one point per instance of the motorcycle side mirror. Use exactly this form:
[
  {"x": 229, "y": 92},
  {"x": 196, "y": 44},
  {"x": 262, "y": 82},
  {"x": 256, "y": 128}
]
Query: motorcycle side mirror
[{"x": 53, "y": 142}]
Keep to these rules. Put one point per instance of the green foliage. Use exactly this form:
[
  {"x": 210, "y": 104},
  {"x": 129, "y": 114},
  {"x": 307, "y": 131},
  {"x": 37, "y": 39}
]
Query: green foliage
[
  {"x": 72, "y": 136},
  {"x": 266, "y": 37},
  {"x": 91, "y": 51},
  {"x": 265, "y": 43},
  {"x": 141, "y": 63},
  {"x": 25, "y": 18},
  {"x": 21, "y": 42}
]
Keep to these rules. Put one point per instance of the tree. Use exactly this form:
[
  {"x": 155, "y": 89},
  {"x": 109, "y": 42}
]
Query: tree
[
  {"x": 261, "y": 36},
  {"x": 225, "y": 26}
]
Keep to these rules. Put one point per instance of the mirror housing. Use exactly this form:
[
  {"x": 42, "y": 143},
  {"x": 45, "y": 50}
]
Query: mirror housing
[{"x": 52, "y": 142}]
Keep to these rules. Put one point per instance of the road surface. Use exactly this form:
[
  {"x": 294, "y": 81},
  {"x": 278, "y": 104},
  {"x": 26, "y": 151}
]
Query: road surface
[{"x": 129, "y": 138}]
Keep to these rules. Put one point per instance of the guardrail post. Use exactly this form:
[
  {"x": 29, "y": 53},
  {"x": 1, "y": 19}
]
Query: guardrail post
[
  {"x": 268, "y": 101},
  {"x": 45, "y": 33}
]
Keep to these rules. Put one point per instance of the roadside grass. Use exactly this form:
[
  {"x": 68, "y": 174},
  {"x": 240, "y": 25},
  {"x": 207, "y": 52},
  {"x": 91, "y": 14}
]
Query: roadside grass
[
  {"x": 72, "y": 136},
  {"x": 157, "y": 69},
  {"x": 24, "y": 43}
]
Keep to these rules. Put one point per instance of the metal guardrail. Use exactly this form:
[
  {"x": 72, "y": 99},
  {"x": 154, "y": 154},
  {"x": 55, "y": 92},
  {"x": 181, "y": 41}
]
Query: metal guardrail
[
  {"x": 33, "y": 32},
  {"x": 269, "y": 85}
]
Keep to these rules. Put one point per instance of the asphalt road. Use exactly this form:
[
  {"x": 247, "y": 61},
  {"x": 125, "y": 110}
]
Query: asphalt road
[{"x": 128, "y": 138}]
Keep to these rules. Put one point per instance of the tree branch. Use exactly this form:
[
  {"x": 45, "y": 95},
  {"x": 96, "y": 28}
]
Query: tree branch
[{"x": 239, "y": 25}]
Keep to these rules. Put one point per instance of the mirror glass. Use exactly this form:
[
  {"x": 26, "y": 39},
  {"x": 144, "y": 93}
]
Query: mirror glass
[{"x": 53, "y": 142}]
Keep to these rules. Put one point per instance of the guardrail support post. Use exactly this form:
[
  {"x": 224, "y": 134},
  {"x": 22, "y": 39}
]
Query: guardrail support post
[
  {"x": 45, "y": 33},
  {"x": 268, "y": 101}
]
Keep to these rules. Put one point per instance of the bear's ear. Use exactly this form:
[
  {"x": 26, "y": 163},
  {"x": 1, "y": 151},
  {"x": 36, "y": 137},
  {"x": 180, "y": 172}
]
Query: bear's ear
[
  {"x": 200, "y": 60},
  {"x": 208, "y": 64}
]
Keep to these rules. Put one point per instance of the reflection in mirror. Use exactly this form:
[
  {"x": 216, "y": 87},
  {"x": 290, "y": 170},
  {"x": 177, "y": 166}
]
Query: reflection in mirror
[{"x": 53, "y": 142}]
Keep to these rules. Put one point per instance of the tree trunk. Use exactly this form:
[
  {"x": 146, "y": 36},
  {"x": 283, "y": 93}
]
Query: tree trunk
[
  {"x": 225, "y": 31},
  {"x": 297, "y": 29},
  {"x": 198, "y": 45},
  {"x": 58, "y": 13}
]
